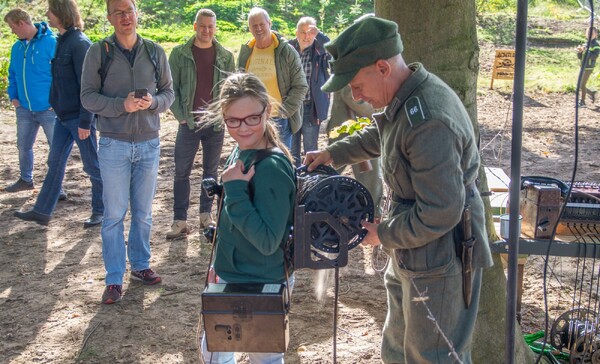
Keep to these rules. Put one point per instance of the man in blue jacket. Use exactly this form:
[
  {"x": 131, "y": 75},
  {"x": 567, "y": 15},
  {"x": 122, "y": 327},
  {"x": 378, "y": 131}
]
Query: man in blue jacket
[
  {"x": 309, "y": 43},
  {"x": 29, "y": 79}
]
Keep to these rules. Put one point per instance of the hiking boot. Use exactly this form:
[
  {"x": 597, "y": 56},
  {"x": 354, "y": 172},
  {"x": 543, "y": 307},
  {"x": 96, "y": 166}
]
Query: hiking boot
[
  {"x": 93, "y": 220},
  {"x": 20, "y": 185},
  {"x": 146, "y": 276},
  {"x": 206, "y": 220},
  {"x": 33, "y": 216},
  {"x": 179, "y": 229},
  {"x": 112, "y": 294},
  {"x": 581, "y": 105}
]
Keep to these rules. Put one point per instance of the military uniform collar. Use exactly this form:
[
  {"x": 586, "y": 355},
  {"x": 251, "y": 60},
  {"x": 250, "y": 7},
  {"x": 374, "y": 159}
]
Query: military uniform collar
[{"x": 418, "y": 76}]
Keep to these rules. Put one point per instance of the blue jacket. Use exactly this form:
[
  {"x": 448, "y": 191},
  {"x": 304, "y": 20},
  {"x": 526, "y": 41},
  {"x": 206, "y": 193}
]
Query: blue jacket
[
  {"x": 66, "y": 73},
  {"x": 29, "y": 73},
  {"x": 320, "y": 74}
]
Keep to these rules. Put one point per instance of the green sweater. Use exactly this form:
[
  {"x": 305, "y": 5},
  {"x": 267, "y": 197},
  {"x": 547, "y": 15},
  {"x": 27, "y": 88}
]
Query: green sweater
[{"x": 252, "y": 230}]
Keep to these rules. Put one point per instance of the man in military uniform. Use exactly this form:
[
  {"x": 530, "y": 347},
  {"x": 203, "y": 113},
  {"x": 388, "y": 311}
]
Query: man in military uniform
[{"x": 430, "y": 161}]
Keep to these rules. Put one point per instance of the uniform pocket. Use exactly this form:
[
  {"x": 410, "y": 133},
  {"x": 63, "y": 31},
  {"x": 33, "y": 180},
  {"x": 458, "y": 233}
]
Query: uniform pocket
[{"x": 437, "y": 258}]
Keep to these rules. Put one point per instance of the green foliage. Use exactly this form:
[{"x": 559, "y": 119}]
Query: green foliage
[
  {"x": 350, "y": 127},
  {"x": 497, "y": 28}
]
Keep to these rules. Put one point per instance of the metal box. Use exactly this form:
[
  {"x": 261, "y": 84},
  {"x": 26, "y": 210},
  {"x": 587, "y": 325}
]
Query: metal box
[
  {"x": 246, "y": 317},
  {"x": 540, "y": 206}
]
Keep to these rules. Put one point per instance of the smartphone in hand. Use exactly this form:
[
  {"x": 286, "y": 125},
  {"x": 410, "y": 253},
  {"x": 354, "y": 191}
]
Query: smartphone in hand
[{"x": 140, "y": 92}]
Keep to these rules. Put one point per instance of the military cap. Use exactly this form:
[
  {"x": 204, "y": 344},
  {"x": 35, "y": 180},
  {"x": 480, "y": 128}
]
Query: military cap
[{"x": 362, "y": 44}]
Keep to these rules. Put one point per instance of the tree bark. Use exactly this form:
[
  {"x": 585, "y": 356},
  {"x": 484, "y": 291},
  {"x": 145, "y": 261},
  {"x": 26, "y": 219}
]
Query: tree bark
[{"x": 442, "y": 35}]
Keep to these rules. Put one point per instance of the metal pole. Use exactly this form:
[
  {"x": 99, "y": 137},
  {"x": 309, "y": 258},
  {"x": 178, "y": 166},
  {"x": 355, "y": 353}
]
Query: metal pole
[{"x": 515, "y": 180}]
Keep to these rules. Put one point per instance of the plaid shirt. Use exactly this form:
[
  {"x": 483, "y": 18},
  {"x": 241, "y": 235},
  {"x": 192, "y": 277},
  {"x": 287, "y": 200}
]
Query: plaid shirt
[{"x": 305, "y": 57}]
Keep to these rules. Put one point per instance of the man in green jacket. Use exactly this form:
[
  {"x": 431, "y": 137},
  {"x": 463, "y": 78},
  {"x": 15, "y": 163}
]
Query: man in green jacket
[
  {"x": 435, "y": 233},
  {"x": 198, "y": 67},
  {"x": 269, "y": 56}
]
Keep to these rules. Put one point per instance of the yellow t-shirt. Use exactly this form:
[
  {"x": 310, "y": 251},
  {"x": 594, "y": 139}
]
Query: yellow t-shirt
[{"x": 262, "y": 64}]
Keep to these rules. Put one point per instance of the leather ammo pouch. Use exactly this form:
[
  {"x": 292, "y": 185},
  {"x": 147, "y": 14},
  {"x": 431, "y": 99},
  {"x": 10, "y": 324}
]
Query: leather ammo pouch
[{"x": 248, "y": 317}]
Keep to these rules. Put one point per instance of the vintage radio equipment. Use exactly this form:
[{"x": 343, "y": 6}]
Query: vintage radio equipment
[
  {"x": 540, "y": 202},
  {"x": 246, "y": 317}
]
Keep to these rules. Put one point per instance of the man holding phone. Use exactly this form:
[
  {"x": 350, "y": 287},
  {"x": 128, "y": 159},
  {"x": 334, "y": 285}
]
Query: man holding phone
[
  {"x": 129, "y": 145},
  {"x": 198, "y": 68}
]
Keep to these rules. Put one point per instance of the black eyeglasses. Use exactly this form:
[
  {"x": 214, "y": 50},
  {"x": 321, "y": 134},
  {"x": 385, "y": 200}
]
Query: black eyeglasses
[{"x": 250, "y": 120}]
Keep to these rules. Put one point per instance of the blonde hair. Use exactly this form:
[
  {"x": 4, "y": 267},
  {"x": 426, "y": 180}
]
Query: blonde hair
[
  {"x": 205, "y": 12},
  {"x": 67, "y": 13},
  {"x": 235, "y": 87},
  {"x": 17, "y": 15}
]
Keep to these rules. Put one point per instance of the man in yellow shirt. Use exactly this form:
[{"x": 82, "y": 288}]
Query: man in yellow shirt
[{"x": 269, "y": 56}]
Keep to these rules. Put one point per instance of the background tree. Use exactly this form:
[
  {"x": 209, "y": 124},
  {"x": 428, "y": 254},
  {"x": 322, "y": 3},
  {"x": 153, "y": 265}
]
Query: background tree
[{"x": 444, "y": 39}]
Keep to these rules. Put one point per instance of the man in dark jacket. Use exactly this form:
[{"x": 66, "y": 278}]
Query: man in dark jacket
[
  {"x": 198, "y": 67},
  {"x": 309, "y": 43},
  {"x": 74, "y": 124},
  {"x": 137, "y": 88}
]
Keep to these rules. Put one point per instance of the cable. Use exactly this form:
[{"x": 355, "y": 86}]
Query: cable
[{"x": 574, "y": 173}]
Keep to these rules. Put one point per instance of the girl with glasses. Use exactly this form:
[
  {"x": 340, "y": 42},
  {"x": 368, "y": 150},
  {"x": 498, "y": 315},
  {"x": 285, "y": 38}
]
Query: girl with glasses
[{"x": 259, "y": 194}]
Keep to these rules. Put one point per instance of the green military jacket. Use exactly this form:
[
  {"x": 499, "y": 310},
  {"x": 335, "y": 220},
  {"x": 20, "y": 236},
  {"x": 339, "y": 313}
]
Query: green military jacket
[
  {"x": 183, "y": 71},
  {"x": 428, "y": 154},
  {"x": 290, "y": 78}
]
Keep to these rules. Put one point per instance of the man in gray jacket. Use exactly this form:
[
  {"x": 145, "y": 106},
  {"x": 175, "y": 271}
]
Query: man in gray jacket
[
  {"x": 269, "y": 56},
  {"x": 435, "y": 233},
  {"x": 198, "y": 68},
  {"x": 127, "y": 96}
]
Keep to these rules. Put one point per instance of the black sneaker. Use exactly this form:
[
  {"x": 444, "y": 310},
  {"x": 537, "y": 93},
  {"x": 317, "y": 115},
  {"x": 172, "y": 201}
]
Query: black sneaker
[
  {"x": 593, "y": 96},
  {"x": 20, "y": 185},
  {"x": 112, "y": 294},
  {"x": 146, "y": 276},
  {"x": 581, "y": 105},
  {"x": 62, "y": 196}
]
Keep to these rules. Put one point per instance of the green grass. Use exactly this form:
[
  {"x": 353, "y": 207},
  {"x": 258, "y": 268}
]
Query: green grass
[{"x": 552, "y": 65}]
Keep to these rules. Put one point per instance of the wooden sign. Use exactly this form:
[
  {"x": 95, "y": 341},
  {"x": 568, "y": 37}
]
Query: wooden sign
[{"x": 504, "y": 65}]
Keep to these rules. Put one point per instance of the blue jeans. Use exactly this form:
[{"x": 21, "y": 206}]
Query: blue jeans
[
  {"x": 285, "y": 133},
  {"x": 28, "y": 124},
  {"x": 255, "y": 358},
  {"x": 129, "y": 171},
  {"x": 65, "y": 133},
  {"x": 186, "y": 147},
  {"x": 308, "y": 134}
]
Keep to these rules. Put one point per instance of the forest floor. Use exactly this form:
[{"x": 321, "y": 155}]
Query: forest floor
[{"x": 52, "y": 278}]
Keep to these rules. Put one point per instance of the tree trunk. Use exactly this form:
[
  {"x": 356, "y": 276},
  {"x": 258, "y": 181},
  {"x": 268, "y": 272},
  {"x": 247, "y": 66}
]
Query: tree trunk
[{"x": 442, "y": 35}]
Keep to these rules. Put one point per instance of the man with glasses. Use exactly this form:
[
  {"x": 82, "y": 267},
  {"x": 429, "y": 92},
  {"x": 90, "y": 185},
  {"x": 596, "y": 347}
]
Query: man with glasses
[
  {"x": 309, "y": 43},
  {"x": 269, "y": 56},
  {"x": 128, "y": 98},
  {"x": 198, "y": 67}
]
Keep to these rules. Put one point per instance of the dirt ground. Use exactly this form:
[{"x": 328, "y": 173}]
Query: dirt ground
[{"x": 51, "y": 278}]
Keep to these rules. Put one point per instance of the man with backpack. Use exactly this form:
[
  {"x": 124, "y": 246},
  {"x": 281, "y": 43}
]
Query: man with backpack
[{"x": 127, "y": 96}]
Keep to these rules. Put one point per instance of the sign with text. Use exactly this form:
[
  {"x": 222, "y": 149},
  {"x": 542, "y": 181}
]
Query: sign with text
[{"x": 504, "y": 65}]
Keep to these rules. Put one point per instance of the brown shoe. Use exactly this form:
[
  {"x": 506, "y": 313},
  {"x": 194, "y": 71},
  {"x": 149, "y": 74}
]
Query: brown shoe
[
  {"x": 112, "y": 294},
  {"x": 146, "y": 276},
  {"x": 206, "y": 220},
  {"x": 179, "y": 229}
]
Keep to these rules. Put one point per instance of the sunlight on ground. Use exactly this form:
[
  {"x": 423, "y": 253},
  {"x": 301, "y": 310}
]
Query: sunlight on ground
[{"x": 6, "y": 293}]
